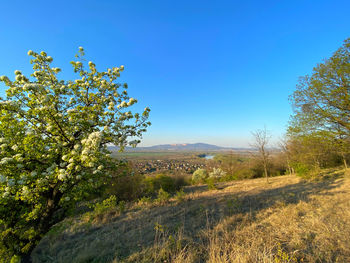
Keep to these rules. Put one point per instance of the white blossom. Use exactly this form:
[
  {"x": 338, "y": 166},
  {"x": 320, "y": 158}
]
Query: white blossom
[
  {"x": 25, "y": 190},
  {"x": 14, "y": 147},
  {"x": 77, "y": 147},
  {"x": 6, "y": 160},
  {"x": 61, "y": 177},
  {"x": 131, "y": 101}
]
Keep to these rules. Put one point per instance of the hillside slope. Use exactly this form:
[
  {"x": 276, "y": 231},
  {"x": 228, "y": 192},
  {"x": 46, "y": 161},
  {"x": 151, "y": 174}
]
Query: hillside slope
[{"x": 287, "y": 220}]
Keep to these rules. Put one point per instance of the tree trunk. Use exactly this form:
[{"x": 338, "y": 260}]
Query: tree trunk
[
  {"x": 265, "y": 170},
  {"x": 344, "y": 160},
  {"x": 46, "y": 222},
  {"x": 288, "y": 166},
  {"x": 27, "y": 257}
]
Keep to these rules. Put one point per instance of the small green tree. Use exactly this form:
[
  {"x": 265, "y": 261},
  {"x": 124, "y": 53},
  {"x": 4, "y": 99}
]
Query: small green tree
[
  {"x": 53, "y": 140},
  {"x": 322, "y": 102}
]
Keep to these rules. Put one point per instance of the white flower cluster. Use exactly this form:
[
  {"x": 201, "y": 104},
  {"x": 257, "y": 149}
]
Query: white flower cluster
[
  {"x": 31, "y": 86},
  {"x": 3, "y": 146},
  {"x": 123, "y": 104},
  {"x": 14, "y": 147},
  {"x": 56, "y": 70},
  {"x": 131, "y": 101},
  {"x": 90, "y": 146},
  {"x": 217, "y": 173},
  {"x": 25, "y": 191},
  {"x": 62, "y": 174},
  {"x": 111, "y": 106},
  {"x": 18, "y": 157},
  {"x": 6, "y": 160}
]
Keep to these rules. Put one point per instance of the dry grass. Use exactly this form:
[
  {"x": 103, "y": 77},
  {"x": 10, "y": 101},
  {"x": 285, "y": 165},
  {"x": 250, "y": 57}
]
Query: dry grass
[{"x": 287, "y": 220}]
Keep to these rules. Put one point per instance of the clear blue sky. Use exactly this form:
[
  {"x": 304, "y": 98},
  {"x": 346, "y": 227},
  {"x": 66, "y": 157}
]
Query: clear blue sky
[{"x": 211, "y": 71}]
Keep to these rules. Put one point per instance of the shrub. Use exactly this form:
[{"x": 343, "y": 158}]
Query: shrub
[
  {"x": 163, "y": 196},
  {"x": 217, "y": 173},
  {"x": 211, "y": 183},
  {"x": 302, "y": 170},
  {"x": 105, "y": 205},
  {"x": 127, "y": 188},
  {"x": 180, "y": 196},
  {"x": 199, "y": 176},
  {"x": 167, "y": 183},
  {"x": 144, "y": 201}
]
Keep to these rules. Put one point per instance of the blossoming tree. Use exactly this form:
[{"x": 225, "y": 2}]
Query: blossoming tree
[{"x": 53, "y": 144}]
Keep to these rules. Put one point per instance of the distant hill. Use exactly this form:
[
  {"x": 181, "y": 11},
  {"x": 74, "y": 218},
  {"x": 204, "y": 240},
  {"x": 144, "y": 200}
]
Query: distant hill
[
  {"x": 180, "y": 147},
  {"x": 184, "y": 147}
]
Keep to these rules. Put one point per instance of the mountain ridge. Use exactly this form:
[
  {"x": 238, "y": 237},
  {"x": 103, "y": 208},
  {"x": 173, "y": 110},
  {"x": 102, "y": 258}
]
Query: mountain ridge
[{"x": 181, "y": 147}]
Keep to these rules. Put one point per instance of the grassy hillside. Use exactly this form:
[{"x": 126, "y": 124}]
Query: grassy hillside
[{"x": 287, "y": 220}]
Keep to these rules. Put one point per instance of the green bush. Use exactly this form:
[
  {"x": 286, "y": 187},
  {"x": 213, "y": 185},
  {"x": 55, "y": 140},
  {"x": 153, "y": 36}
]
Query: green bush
[
  {"x": 211, "y": 183},
  {"x": 134, "y": 187},
  {"x": 180, "y": 196},
  {"x": 199, "y": 176},
  {"x": 302, "y": 170},
  {"x": 143, "y": 201},
  {"x": 169, "y": 184},
  {"x": 105, "y": 205},
  {"x": 127, "y": 188},
  {"x": 163, "y": 196}
]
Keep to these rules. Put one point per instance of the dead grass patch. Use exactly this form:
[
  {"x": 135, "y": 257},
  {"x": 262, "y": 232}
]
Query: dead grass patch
[{"x": 287, "y": 220}]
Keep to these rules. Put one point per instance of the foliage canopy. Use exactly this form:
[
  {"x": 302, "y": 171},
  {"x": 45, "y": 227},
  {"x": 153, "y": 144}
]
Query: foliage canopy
[
  {"x": 320, "y": 124},
  {"x": 53, "y": 139}
]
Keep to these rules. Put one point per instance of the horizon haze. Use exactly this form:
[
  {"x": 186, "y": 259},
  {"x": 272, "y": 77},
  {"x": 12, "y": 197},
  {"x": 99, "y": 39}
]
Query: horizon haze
[{"x": 209, "y": 72}]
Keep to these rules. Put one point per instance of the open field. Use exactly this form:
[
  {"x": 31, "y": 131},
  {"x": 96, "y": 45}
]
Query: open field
[{"x": 285, "y": 220}]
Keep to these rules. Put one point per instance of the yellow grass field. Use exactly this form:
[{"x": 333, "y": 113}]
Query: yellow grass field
[{"x": 286, "y": 220}]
